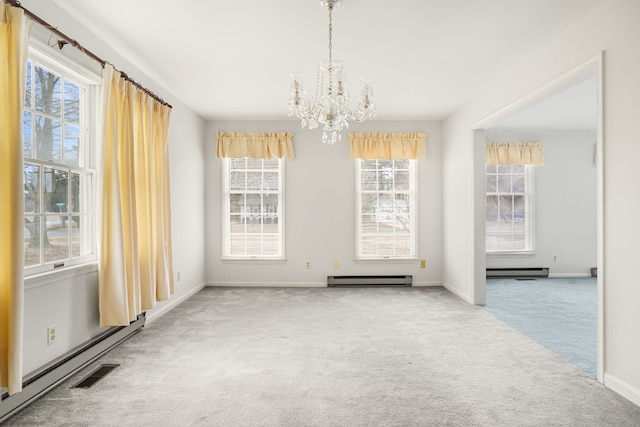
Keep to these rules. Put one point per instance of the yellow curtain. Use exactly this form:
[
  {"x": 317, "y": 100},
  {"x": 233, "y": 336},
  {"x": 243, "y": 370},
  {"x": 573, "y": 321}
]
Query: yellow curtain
[
  {"x": 372, "y": 146},
  {"x": 14, "y": 37},
  {"x": 515, "y": 153},
  {"x": 134, "y": 203},
  {"x": 256, "y": 145}
]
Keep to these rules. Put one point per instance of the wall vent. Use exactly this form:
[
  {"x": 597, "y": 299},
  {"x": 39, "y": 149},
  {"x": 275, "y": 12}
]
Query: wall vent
[
  {"x": 505, "y": 273},
  {"x": 367, "y": 281}
]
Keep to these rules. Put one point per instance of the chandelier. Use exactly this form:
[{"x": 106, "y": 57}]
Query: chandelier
[{"x": 330, "y": 105}]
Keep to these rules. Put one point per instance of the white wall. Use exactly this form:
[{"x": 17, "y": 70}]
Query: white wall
[
  {"x": 70, "y": 300},
  {"x": 565, "y": 201},
  {"x": 320, "y": 209},
  {"x": 613, "y": 28}
]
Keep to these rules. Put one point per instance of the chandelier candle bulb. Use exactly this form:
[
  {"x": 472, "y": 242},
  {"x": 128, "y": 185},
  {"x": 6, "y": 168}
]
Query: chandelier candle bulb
[{"x": 330, "y": 104}]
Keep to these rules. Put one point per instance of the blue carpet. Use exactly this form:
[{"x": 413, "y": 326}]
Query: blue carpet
[{"x": 560, "y": 314}]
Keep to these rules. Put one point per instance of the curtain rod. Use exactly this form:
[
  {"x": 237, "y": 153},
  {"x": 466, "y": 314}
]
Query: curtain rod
[{"x": 74, "y": 43}]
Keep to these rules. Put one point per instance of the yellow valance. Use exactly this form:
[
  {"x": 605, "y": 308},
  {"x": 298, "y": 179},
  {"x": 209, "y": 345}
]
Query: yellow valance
[
  {"x": 515, "y": 153},
  {"x": 372, "y": 146},
  {"x": 267, "y": 145}
]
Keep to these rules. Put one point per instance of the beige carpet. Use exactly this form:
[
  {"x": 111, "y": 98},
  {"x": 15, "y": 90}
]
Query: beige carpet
[{"x": 332, "y": 357}]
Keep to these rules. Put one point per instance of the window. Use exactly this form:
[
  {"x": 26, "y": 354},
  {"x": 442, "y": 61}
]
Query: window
[
  {"x": 253, "y": 214},
  {"x": 59, "y": 174},
  {"x": 386, "y": 213},
  {"x": 509, "y": 208}
]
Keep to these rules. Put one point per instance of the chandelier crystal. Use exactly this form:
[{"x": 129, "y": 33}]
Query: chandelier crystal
[{"x": 330, "y": 105}]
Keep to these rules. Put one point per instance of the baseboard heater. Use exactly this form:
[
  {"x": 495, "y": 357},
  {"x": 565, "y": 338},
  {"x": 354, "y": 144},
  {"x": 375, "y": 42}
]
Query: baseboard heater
[
  {"x": 517, "y": 273},
  {"x": 38, "y": 383},
  {"x": 365, "y": 281}
]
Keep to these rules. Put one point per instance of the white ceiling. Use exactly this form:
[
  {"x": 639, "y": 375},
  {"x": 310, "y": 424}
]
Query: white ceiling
[
  {"x": 573, "y": 107},
  {"x": 230, "y": 59}
]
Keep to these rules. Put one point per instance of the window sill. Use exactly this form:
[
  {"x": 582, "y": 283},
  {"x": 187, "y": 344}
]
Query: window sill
[
  {"x": 385, "y": 260},
  {"x": 43, "y": 279},
  {"x": 254, "y": 260}
]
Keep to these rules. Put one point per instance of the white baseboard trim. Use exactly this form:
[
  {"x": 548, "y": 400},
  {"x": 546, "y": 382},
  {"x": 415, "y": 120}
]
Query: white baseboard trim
[
  {"x": 268, "y": 284},
  {"x": 622, "y": 388},
  {"x": 561, "y": 275},
  {"x": 156, "y": 313},
  {"x": 455, "y": 291},
  {"x": 426, "y": 284}
]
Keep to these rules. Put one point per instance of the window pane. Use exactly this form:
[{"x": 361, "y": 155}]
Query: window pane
[
  {"x": 271, "y": 164},
  {"x": 504, "y": 183},
  {"x": 368, "y": 180},
  {"x": 504, "y": 168},
  {"x": 237, "y": 224},
  {"x": 238, "y": 163},
  {"x": 56, "y": 238},
  {"x": 81, "y": 238},
  {"x": 48, "y": 92},
  {"x": 518, "y": 209},
  {"x": 369, "y": 202},
  {"x": 368, "y": 164},
  {"x": 71, "y": 103},
  {"x": 506, "y": 208},
  {"x": 401, "y": 223},
  {"x": 519, "y": 241},
  {"x": 271, "y": 245},
  {"x": 271, "y": 181},
  {"x": 402, "y": 181},
  {"x": 31, "y": 188},
  {"x": 270, "y": 205},
  {"x": 491, "y": 184},
  {"x": 492, "y": 210},
  {"x": 71, "y": 145},
  {"x": 254, "y": 180},
  {"x": 402, "y": 204},
  {"x": 402, "y": 245},
  {"x": 402, "y": 164},
  {"x": 236, "y": 203},
  {"x": 29, "y": 87},
  {"x": 369, "y": 245},
  {"x": 48, "y": 139},
  {"x": 385, "y": 180},
  {"x": 254, "y": 164},
  {"x": 491, "y": 168},
  {"x": 518, "y": 183},
  {"x": 385, "y": 165},
  {"x": 518, "y": 168},
  {"x": 55, "y": 190},
  {"x": 27, "y": 134},
  {"x": 32, "y": 232},
  {"x": 237, "y": 180}
]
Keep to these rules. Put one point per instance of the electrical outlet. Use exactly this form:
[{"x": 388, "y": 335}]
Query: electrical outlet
[
  {"x": 423, "y": 263},
  {"x": 555, "y": 258},
  {"x": 178, "y": 276},
  {"x": 51, "y": 334},
  {"x": 336, "y": 265},
  {"x": 308, "y": 265}
]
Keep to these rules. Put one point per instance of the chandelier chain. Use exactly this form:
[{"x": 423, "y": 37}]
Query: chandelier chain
[{"x": 330, "y": 34}]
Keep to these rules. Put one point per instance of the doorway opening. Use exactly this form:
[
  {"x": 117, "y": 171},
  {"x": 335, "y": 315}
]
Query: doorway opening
[{"x": 565, "y": 217}]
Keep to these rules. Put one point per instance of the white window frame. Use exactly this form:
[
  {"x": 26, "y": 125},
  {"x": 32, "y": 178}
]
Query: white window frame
[
  {"x": 413, "y": 217},
  {"x": 529, "y": 219},
  {"x": 89, "y": 81},
  {"x": 227, "y": 256}
]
